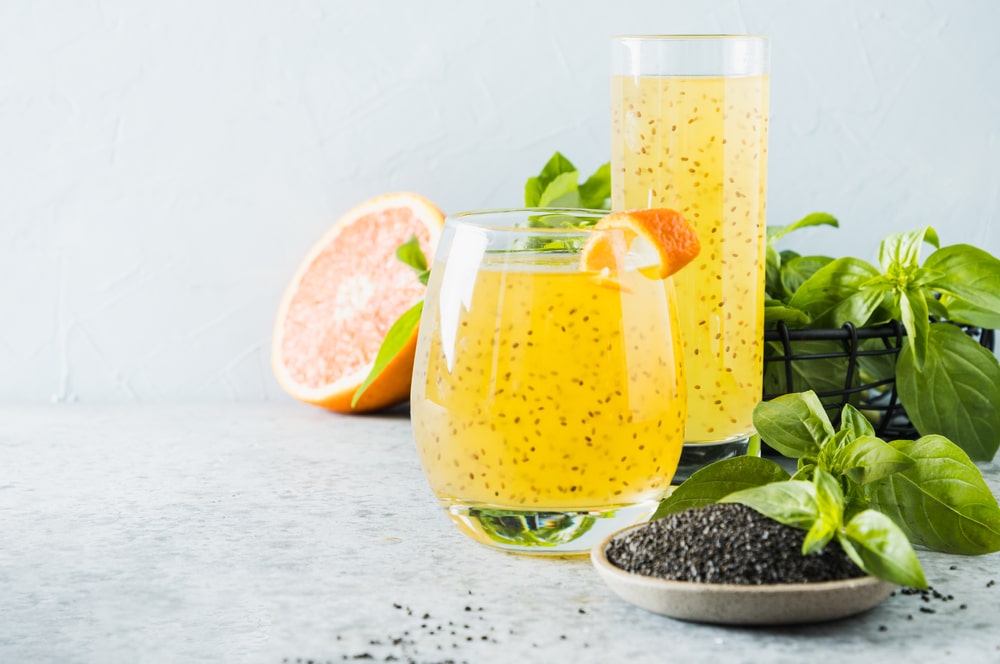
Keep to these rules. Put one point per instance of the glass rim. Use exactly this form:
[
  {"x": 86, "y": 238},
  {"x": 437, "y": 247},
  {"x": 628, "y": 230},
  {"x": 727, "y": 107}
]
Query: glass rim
[
  {"x": 471, "y": 219},
  {"x": 692, "y": 37}
]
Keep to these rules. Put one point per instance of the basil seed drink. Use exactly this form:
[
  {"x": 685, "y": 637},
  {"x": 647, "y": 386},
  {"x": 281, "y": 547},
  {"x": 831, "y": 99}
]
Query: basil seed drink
[
  {"x": 547, "y": 403},
  {"x": 686, "y": 139}
]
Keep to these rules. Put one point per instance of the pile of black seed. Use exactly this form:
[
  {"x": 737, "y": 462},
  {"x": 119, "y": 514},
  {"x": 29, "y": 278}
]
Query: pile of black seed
[{"x": 726, "y": 543}]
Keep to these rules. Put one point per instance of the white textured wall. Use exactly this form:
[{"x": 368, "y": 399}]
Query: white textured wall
[{"x": 164, "y": 165}]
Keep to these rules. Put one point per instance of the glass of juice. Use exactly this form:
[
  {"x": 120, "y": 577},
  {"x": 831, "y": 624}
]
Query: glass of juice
[
  {"x": 548, "y": 400},
  {"x": 689, "y": 118}
]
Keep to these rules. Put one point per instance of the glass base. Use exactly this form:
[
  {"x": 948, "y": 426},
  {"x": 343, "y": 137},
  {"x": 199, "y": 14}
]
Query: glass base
[
  {"x": 695, "y": 456},
  {"x": 546, "y": 533}
]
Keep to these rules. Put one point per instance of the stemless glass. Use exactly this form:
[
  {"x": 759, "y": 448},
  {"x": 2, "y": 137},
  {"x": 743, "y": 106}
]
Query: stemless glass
[
  {"x": 548, "y": 400},
  {"x": 689, "y": 118}
]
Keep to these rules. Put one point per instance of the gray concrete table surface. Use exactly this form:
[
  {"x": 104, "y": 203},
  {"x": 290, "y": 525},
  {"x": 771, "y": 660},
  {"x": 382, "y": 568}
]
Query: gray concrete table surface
[{"x": 279, "y": 532}]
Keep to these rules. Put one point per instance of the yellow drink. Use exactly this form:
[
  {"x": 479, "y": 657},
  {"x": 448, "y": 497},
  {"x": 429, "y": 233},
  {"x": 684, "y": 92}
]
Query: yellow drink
[
  {"x": 699, "y": 145},
  {"x": 541, "y": 388}
]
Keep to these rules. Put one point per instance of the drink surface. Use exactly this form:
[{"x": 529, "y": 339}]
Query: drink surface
[
  {"x": 699, "y": 146},
  {"x": 541, "y": 387}
]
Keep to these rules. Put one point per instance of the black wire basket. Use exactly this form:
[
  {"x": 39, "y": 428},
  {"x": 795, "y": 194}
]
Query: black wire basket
[{"x": 855, "y": 365}]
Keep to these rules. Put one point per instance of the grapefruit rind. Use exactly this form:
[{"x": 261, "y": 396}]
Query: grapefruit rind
[{"x": 392, "y": 386}]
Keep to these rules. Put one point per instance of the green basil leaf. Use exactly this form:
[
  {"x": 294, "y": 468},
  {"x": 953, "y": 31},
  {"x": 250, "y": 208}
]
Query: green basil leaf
[
  {"x": 775, "y": 233},
  {"x": 825, "y": 460},
  {"x": 805, "y": 471},
  {"x": 935, "y": 307},
  {"x": 833, "y": 295},
  {"x": 708, "y": 485},
  {"x": 556, "y": 165},
  {"x": 797, "y": 271},
  {"x": 595, "y": 192},
  {"x": 878, "y": 547},
  {"x": 941, "y": 501},
  {"x": 794, "y": 424},
  {"x": 561, "y": 192},
  {"x": 410, "y": 253},
  {"x": 965, "y": 313},
  {"x": 829, "y": 496},
  {"x": 867, "y": 459},
  {"x": 819, "y": 534},
  {"x": 772, "y": 274},
  {"x": 775, "y": 310},
  {"x": 791, "y": 502},
  {"x": 533, "y": 189},
  {"x": 914, "y": 315},
  {"x": 853, "y": 420},
  {"x": 395, "y": 340},
  {"x": 968, "y": 274},
  {"x": 955, "y": 393},
  {"x": 900, "y": 250}
]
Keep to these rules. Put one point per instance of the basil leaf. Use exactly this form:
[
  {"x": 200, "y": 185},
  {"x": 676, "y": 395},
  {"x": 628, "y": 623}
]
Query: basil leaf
[
  {"x": 828, "y": 452},
  {"x": 791, "y": 502},
  {"x": 965, "y": 313},
  {"x": 968, "y": 274},
  {"x": 794, "y": 424},
  {"x": 772, "y": 274},
  {"x": 556, "y": 166},
  {"x": 595, "y": 192},
  {"x": 829, "y": 496},
  {"x": 410, "y": 253},
  {"x": 775, "y": 310},
  {"x": 834, "y": 295},
  {"x": 955, "y": 393},
  {"x": 717, "y": 480},
  {"x": 851, "y": 419},
  {"x": 805, "y": 471},
  {"x": 878, "y": 547},
  {"x": 900, "y": 250},
  {"x": 533, "y": 189},
  {"x": 561, "y": 192},
  {"x": 775, "y": 233},
  {"x": 797, "y": 271},
  {"x": 819, "y": 534},
  {"x": 867, "y": 459},
  {"x": 941, "y": 501},
  {"x": 395, "y": 340},
  {"x": 913, "y": 313}
]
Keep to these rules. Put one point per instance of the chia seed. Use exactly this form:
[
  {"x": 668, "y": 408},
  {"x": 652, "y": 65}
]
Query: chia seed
[{"x": 727, "y": 543}]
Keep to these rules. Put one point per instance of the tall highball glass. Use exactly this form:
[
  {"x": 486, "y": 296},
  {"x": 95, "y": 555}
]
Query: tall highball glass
[{"x": 689, "y": 118}]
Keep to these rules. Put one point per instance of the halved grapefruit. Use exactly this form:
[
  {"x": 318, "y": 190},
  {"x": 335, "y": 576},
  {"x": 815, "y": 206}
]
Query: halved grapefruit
[{"x": 344, "y": 297}]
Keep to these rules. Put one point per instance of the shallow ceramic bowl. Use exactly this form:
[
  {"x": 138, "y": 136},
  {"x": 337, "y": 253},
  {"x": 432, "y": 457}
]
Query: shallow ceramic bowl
[{"x": 736, "y": 604}]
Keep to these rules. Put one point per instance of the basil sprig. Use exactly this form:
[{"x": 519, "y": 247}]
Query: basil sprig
[
  {"x": 557, "y": 185},
  {"x": 948, "y": 384},
  {"x": 869, "y": 538},
  {"x": 874, "y": 497}
]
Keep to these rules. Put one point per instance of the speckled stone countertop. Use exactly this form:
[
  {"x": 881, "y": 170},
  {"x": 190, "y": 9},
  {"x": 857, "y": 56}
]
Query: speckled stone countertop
[{"x": 274, "y": 532}]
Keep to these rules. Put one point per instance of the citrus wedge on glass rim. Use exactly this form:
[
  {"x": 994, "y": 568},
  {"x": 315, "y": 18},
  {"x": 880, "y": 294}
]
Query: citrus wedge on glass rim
[
  {"x": 344, "y": 297},
  {"x": 673, "y": 239}
]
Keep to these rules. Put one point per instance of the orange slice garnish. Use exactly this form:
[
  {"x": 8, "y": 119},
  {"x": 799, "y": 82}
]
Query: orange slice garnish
[{"x": 673, "y": 238}]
